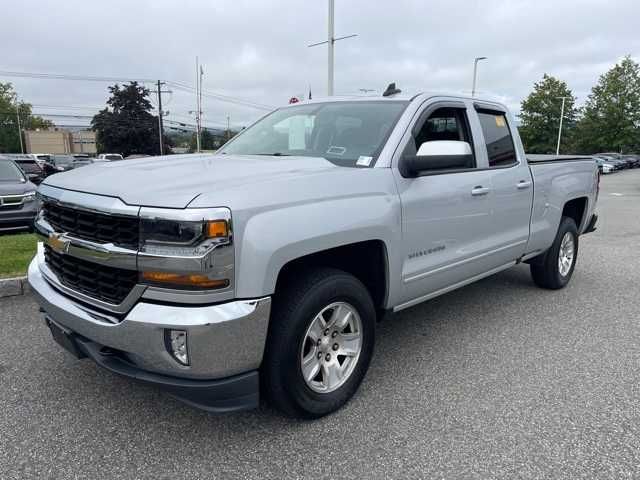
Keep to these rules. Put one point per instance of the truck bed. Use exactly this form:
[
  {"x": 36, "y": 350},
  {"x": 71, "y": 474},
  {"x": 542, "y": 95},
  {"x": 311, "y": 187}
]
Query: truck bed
[{"x": 534, "y": 158}]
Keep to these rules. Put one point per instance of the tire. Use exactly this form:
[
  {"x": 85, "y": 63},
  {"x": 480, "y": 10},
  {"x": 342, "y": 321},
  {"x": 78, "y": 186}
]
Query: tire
[
  {"x": 295, "y": 320},
  {"x": 547, "y": 271}
]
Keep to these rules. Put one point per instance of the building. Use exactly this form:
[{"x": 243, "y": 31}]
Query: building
[{"x": 60, "y": 141}]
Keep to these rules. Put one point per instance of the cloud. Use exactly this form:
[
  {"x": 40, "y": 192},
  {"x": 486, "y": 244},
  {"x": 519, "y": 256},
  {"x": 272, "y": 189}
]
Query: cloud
[{"x": 257, "y": 50}]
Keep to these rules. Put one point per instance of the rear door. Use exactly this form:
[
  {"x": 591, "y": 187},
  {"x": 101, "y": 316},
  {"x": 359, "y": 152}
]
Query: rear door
[
  {"x": 512, "y": 185},
  {"x": 446, "y": 226}
]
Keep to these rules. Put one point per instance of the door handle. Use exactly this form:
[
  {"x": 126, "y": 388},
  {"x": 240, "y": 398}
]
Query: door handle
[
  {"x": 522, "y": 184},
  {"x": 479, "y": 190}
]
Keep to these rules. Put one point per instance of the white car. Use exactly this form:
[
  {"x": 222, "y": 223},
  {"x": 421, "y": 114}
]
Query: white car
[
  {"x": 607, "y": 168},
  {"x": 109, "y": 156}
]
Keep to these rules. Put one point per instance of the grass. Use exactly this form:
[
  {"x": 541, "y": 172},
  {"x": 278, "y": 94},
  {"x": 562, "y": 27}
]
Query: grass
[{"x": 16, "y": 251}]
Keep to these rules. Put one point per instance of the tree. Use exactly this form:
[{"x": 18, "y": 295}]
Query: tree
[
  {"x": 126, "y": 125},
  {"x": 611, "y": 119},
  {"x": 540, "y": 116},
  {"x": 208, "y": 140},
  {"x": 9, "y": 139}
]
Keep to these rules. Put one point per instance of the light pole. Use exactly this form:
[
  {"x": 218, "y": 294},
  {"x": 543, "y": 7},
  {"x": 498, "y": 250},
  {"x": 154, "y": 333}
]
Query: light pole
[
  {"x": 331, "y": 40},
  {"x": 560, "y": 128},
  {"x": 19, "y": 127},
  {"x": 475, "y": 74}
]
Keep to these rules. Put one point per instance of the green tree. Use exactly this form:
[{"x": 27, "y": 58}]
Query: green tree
[
  {"x": 126, "y": 125},
  {"x": 208, "y": 140},
  {"x": 9, "y": 139},
  {"x": 540, "y": 117},
  {"x": 611, "y": 117}
]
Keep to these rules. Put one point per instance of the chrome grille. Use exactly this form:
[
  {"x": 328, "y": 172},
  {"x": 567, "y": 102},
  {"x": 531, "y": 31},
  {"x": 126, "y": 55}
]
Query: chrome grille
[{"x": 93, "y": 226}]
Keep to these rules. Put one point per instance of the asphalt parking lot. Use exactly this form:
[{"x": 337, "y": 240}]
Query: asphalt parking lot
[{"x": 496, "y": 380}]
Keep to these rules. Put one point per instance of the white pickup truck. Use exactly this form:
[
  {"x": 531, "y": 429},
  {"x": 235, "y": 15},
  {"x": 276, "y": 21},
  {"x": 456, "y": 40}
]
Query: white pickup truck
[{"x": 263, "y": 268}]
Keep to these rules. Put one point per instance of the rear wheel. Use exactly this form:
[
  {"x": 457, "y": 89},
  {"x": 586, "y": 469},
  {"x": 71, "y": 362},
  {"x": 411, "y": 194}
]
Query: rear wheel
[
  {"x": 320, "y": 343},
  {"x": 555, "y": 267}
]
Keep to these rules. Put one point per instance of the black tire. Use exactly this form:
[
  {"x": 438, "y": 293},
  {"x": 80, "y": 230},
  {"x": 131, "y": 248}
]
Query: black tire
[
  {"x": 545, "y": 270},
  {"x": 295, "y": 306}
]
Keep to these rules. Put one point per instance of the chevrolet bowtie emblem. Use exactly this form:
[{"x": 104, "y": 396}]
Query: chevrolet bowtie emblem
[{"x": 58, "y": 243}]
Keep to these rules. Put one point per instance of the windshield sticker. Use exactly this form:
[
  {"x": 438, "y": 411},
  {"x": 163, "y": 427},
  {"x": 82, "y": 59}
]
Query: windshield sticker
[
  {"x": 500, "y": 121},
  {"x": 364, "y": 161},
  {"x": 336, "y": 150}
]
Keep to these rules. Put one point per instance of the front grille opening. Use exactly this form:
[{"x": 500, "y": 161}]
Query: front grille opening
[
  {"x": 97, "y": 227},
  {"x": 108, "y": 284}
]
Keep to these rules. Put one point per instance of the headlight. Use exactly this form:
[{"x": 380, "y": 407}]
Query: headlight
[
  {"x": 186, "y": 249},
  {"x": 29, "y": 196},
  {"x": 182, "y": 237}
]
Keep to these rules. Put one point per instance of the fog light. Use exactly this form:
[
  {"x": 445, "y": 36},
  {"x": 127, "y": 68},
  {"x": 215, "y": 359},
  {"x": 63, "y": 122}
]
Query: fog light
[{"x": 176, "y": 343}]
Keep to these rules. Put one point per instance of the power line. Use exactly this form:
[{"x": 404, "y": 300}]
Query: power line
[{"x": 179, "y": 85}]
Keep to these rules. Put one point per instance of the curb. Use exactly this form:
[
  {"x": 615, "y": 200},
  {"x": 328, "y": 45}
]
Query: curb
[{"x": 12, "y": 287}]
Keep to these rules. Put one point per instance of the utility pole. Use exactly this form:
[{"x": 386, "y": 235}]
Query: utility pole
[
  {"x": 330, "y": 45},
  {"x": 560, "y": 129},
  {"x": 475, "y": 74},
  {"x": 19, "y": 127},
  {"x": 331, "y": 40},
  {"x": 160, "y": 125},
  {"x": 228, "y": 127},
  {"x": 198, "y": 106}
]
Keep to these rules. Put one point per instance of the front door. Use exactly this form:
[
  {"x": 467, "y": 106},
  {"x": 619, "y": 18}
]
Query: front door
[{"x": 446, "y": 215}]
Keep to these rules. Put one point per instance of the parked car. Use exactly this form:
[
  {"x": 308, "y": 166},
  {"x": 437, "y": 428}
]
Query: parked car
[
  {"x": 81, "y": 160},
  {"x": 58, "y": 163},
  {"x": 607, "y": 168},
  {"x": 624, "y": 162},
  {"x": 268, "y": 263},
  {"x": 31, "y": 169},
  {"x": 616, "y": 163},
  {"x": 109, "y": 156},
  {"x": 17, "y": 197},
  {"x": 634, "y": 160}
]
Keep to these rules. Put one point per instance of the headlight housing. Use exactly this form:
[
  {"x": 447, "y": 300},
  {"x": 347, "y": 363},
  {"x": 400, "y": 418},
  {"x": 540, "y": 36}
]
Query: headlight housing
[
  {"x": 29, "y": 196},
  {"x": 185, "y": 234},
  {"x": 186, "y": 249}
]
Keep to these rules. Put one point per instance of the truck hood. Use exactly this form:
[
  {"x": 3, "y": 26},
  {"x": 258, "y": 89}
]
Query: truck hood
[{"x": 175, "y": 181}]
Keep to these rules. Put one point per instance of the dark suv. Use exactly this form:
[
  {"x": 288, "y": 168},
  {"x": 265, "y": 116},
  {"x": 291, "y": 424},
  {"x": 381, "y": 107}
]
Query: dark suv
[
  {"x": 31, "y": 169},
  {"x": 17, "y": 197}
]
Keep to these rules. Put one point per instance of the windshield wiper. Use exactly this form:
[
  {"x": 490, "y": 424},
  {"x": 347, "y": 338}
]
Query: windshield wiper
[{"x": 275, "y": 154}]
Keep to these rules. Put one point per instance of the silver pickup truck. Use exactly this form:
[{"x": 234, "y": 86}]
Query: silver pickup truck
[{"x": 262, "y": 269}]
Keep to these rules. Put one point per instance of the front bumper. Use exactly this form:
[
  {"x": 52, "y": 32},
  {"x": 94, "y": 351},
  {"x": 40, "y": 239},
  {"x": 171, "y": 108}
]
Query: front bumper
[
  {"x": 18, "y": 218},
  {"x": 225, "y": 343}
]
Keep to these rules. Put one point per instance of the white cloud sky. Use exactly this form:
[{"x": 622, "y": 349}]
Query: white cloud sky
[{"x": 257, "y": 50}]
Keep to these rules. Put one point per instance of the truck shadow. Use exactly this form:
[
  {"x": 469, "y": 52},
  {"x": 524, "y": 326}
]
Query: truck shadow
[{"x": 407, "y": 344}]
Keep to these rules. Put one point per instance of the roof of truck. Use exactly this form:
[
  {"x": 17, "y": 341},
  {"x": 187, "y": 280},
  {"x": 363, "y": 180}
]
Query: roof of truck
[{"x": 400, "y": 96}]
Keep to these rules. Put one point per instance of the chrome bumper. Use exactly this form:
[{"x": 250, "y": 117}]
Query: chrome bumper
[{"x": 223, "y": 340}]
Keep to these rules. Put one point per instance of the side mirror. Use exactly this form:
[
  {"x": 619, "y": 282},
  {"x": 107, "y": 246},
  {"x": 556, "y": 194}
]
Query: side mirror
[{"x": 438, "y": 155}]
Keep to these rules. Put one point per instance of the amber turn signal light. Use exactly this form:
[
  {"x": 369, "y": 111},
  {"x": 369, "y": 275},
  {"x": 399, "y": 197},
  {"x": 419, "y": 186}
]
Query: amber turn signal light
[
  {"x": 198, "y": 281},
  {"x": 217, "y": 229}
]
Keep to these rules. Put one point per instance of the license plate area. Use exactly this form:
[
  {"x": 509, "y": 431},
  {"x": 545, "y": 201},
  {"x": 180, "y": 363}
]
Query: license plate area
[{"x": 65, "y": 338}]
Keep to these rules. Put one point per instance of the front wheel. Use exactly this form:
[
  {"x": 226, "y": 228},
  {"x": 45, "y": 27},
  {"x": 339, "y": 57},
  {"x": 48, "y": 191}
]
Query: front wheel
[
  {"x": 320, "y": 343},
  {"x": 555, "y": 267}
]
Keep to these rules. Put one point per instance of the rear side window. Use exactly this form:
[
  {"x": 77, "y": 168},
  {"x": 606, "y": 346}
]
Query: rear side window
[{"x": 497, "y": 136}]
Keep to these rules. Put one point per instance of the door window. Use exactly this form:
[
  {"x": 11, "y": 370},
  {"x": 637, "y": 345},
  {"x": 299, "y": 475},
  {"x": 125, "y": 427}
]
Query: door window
[
  {"x": 497, "y": 136},
  {"x": 445, "y": 123}
]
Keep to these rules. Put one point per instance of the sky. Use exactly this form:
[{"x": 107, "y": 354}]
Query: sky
[{"x": 256, "y": 51}]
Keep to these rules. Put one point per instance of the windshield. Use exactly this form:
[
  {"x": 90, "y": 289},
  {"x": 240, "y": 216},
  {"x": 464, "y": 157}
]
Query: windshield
[
  {"x": 29, "y": 166},
  {"x": 10, "y": 172},
  {"x": 345, "y": 133}
]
